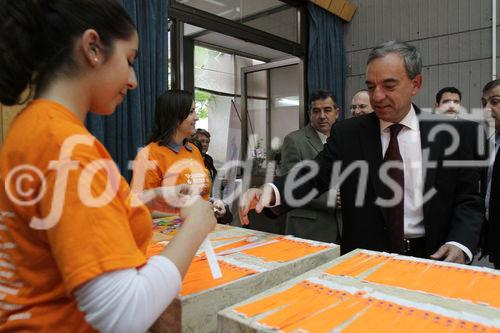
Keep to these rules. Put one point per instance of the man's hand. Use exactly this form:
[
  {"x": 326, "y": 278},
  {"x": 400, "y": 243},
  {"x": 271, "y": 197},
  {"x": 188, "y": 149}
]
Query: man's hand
[
  {"x": 257, "y": 199},
  {"x": 219, "y": 207},
  {"x": 449, "y": 253}
]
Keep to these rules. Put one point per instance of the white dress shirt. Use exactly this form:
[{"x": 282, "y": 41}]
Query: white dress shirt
[
  {"x": 411, "y": 152},
  {"x": 494, "y": 141},
  {"x": 322, "y": 136}
]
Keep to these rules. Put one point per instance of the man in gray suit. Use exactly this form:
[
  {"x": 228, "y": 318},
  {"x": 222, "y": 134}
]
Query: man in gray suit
[{"x": 315, "y": 220}]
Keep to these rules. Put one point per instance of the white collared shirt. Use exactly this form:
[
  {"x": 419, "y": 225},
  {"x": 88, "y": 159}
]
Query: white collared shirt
[
  {"x": 494, "y": 142},
  {"x": 322, "y": 136},
  {"x": 410, "y": 147},
  {"x": 411, "y": 153}
]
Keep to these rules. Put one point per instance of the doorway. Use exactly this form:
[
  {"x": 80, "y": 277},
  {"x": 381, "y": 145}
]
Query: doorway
[
  {"x": 272, "y": 104},
  {"x": 250, "y": 86}
]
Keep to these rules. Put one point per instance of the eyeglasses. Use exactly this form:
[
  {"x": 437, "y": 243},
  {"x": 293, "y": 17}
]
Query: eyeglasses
[{"x": 360, "y": 106}]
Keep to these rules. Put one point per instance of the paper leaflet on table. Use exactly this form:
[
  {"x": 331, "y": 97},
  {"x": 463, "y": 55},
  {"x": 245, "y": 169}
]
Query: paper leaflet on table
[{"x": 165, "y": 228}]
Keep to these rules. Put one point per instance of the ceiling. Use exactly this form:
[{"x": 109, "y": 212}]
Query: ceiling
[
  {"x": 235, "y": 10},
  {"x": 272, "y": 16},
  {"x": 235, "y": 44}
]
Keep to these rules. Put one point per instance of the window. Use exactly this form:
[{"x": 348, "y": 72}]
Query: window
[
  {"x": 217, "y": 92},
  {"x": 271, "y": 16}
]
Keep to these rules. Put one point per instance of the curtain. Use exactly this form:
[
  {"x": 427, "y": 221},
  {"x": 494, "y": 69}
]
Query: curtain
[
  {"x": 326, "y": 67},
  {"x": 128, "y": 127}
]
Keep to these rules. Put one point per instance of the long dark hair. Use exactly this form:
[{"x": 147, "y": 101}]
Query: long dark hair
[
  {"x": 37, "y": 39},
  {"x": 172, "y": 108}
]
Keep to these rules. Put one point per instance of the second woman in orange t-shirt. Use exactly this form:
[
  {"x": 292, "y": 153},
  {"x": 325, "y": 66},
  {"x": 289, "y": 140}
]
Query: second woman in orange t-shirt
[{"x": 169, "y": 159}]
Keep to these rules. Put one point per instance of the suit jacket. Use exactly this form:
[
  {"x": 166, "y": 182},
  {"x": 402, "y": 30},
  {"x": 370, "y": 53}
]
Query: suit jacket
[
  {"x": 454, "y": 213},
  {"x": 493, "y": 224},
  {"x": 315, "y": 220}
]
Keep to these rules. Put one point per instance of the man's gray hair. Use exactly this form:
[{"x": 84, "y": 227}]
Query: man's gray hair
[{"x": 410, "y": 54}]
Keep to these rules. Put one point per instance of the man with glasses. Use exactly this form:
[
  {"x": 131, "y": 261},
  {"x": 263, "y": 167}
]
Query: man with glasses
[{"x": 360, "y": 103}]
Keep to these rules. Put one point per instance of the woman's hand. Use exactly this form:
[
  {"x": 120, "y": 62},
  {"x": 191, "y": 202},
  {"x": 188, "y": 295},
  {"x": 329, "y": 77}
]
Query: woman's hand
[
  {"x": 199, "y": 220},
  {"x": 167, "y": 197},
  {"x": 198, "y": 216}
]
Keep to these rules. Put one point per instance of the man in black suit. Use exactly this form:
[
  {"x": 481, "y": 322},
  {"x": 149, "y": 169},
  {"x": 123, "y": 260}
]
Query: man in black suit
[
  {"x": 491, "y": 102},
  {"x": 420, "y": 196}
]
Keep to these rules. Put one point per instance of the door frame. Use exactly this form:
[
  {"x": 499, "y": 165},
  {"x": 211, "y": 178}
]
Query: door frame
[{"x": 244, "y": 111}]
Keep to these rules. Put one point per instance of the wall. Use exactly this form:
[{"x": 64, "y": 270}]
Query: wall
[
  {"x": 7, "y": 115},
  {"x": 454, "y": 37}
]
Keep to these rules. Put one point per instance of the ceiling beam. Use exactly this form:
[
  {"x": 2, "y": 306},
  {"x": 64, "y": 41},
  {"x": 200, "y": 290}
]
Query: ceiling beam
[{"x": 342, "y": 8}]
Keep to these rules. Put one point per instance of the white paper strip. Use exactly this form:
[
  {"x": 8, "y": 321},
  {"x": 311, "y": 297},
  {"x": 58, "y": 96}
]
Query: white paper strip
[
  {"x": 309, "y": 241},
  {"x": 212, "y": 259},
  {"x": 238, "y": 263},
  {"x": 246, "y": 247}
]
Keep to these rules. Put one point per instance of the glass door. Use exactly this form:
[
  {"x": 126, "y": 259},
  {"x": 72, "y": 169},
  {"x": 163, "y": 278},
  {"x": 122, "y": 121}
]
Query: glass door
[{"x": 272, "y": 104}]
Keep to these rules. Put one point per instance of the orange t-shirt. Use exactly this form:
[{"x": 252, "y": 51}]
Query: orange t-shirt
[
  {"x": 172, "y": 167},
  {"x": 92, "y": 225}
]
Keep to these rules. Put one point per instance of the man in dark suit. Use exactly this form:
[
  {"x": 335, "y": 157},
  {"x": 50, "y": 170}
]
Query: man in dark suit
[
  {"x": 420, "y": 196},
  {"x": 491, "y": 102},
  {"x": 315, "y": 220}
]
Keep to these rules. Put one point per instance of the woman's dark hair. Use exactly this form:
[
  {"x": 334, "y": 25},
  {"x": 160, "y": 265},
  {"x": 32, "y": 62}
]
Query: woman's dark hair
[
  {"x": 37, "y": 39},
  {"x": 172, "y": 108}
]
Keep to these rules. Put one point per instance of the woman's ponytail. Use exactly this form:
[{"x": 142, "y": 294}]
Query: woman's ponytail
[
  {"x": 37, "y": 39},
  {"x": 18, "y": 36}
]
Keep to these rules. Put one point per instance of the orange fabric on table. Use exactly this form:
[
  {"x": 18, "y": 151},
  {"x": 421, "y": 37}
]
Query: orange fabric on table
[
  {"x": 202, "y": 256},
  {"x": 271, "y": 302},
  {"x": 313, "y": 300},
  {"x": 42, "y": 267},
  {"x": 199, "y": 276},
  {"x": 175, "y": 168},
  {"x": 378, "y": 318},
  {"x": 439, "y": 279},
  {"x": 490, "y": 290},
  {"x": 391, "y": 317},
  {"x": 284, "y": 250},
  {"x": 357, "y": 264},
  {"x": 326, "y": 320}
]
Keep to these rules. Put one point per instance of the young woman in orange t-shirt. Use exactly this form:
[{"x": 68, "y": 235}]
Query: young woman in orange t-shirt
[
  {"x": 173, "y": 159},
  {"x": 72, "y": 236}
]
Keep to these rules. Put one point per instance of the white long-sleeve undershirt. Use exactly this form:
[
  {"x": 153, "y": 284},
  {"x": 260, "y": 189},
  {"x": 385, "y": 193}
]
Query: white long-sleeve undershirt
[{"x": 129, "y": 300}]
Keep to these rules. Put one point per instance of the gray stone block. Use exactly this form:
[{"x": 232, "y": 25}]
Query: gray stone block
[{"x": 198, "y": 312}]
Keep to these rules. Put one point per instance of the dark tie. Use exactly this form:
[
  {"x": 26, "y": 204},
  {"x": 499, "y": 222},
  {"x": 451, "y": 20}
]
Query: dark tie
[{"x": 395, "y": 214}]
